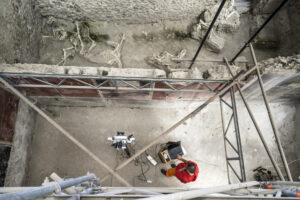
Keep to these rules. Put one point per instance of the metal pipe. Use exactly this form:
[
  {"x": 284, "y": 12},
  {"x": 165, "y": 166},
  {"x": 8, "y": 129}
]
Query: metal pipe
[
  {"x": 206, "y": 197},
  {"x": 190, "y": 115},
  {"x": 201, "y": 192},
  {"x": 110, "y": 189},
  {"x": 289, "y": 193},
  {"x": 256, "y": 125},
  {"x": 275, "y": 130},
  {"x": 43, "y": 191},
  {"x": 63, "y": 131},
  {"x": 258, "y": 30},
  {"x": 207, "y": 32}
]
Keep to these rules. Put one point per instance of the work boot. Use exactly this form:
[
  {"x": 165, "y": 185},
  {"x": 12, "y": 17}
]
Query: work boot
[
  {"x": 173, "y": 165},
  {"x": 163, "y": 171}
]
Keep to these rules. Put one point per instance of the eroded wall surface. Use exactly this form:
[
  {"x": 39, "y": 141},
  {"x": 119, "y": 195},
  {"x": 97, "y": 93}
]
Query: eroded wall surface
[
  {"x": 130, "y": 10},
  {"x": 295, "y": 165},
  {"x": 20, "y": 31},
  {"x": 8, "y": 115},
  {"x": 16, "y": 171},
  {"x": 281, "y": 35}
]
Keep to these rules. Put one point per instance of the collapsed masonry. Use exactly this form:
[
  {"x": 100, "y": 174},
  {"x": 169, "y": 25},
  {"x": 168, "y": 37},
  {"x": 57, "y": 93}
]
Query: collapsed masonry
[{"x": 281, "y": 64}]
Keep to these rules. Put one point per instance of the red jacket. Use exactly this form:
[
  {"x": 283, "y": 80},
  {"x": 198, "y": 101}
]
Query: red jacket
[{"x": 184, "y": 176}]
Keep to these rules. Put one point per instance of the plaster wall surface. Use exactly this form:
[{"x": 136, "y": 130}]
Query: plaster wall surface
[
  {"x": 20, "y": 31},
  {"x": 280, "y": 36},
  {"x": 17, "y": 165},
  {"x": 296, "y": 163},
  {"x": 201, "y": 136},
  {"x": 128, "y": 10}
]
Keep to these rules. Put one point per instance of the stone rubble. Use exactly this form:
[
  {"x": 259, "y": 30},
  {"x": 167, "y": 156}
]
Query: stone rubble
[
  {"x": 217, "y": 72},
  {"x": 280, "y": 64},
  {"x": 164, "y": 60},
  {"x": 213, "y": 41},
  {"x": 228, "y": 21}
]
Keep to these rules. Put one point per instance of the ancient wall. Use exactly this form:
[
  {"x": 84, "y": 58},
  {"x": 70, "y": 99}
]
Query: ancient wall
[
  {"x": 16, "y": 171},
  {"x": 128, "y": 10},
  {"x": 295, "y": 165},
  {"x": 281, "y": 34},
  {"x": 8, "y": 115},
  {"x": 20, "y": 31}
]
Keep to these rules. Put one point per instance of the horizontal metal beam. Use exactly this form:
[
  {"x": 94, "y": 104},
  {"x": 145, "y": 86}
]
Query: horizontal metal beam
[
  {"x": 108, "y": 88},
  {"x": 112, "y": 78},
  {"x": 112, "y": 189},
  {"x": 202, "y": 192},
  {"x": 204, "y": 197}
]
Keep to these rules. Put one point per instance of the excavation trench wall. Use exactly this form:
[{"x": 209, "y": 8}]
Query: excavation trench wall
[
  {"x": 296, "y": 164},
  {"x": 20, "y": 31},
  {"x": 125, "y": 10},
  {"x": 16, "y": 171},
  {"x": 280, "y": 36}
]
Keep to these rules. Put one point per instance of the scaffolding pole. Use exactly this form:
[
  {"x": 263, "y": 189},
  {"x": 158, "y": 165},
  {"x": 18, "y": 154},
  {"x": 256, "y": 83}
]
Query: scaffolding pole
[
  {"x": 275, "y": 130},
  {"x": 190, "y": 115},
  {"x": 43, "y": 191},
  {"x": 202, "y": 192},
  {"x": 63, "y": 131},
  {"x": 256, "y": 125}
]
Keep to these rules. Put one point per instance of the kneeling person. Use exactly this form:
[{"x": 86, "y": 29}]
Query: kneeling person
[{"x": 186, "y": 172}]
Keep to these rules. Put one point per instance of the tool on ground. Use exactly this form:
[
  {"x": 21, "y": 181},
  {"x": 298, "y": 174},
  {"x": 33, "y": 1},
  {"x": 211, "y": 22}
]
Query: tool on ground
[
  {"x": 121, "y": 142},
  {"x": 169, "y": 151},
  {"x": 151, "y": 160},
  {"x": 262, "y": 174}
]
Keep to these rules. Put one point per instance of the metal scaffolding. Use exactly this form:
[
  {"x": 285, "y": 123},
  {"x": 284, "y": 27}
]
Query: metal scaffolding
[
  {"x": 228, "y": 144},
  {"x": 109, "y": 83},
  {"x": 87, "y": 187}
]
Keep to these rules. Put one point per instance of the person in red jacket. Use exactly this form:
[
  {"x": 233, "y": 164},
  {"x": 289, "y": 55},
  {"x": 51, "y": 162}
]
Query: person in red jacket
[{"x": 186, "y": 172}]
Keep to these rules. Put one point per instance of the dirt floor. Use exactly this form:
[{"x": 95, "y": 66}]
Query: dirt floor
[{"x": 201, "y": 137}]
